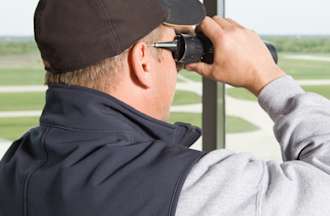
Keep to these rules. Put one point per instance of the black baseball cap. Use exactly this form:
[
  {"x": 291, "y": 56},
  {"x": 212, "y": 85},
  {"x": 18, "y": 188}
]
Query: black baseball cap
[{"x": 74, "y": 34}]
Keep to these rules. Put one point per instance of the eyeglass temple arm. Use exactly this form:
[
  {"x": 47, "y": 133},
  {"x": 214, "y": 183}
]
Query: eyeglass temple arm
[{"x": 170, "y": 45}]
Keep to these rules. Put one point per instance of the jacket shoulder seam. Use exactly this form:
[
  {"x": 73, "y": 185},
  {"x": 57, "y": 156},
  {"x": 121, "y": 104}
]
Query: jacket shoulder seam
[{"x": 180, "y": 182}]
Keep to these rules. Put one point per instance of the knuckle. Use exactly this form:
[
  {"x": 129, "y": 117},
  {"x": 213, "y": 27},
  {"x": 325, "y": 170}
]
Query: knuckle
[
  {"x": 218, "y": 19},
  {"x": 217, "y": 32}
]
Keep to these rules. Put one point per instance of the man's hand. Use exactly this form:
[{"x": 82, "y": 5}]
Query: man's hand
[{"x": 240, "y": 57}]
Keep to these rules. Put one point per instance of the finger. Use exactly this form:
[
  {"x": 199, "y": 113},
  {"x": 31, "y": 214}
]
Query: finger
[
  {"x": 201, "y": 68},
  {"x": 235, "y": 23},
  {"x": 222, "y": 22},
  {"x": 184, "y": 29},
  {"x": 211, "y": 29}
]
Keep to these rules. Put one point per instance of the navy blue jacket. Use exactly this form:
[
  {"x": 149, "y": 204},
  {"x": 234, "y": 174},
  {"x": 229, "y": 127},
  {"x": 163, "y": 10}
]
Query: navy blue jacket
[{"x": 93, "y": 155}]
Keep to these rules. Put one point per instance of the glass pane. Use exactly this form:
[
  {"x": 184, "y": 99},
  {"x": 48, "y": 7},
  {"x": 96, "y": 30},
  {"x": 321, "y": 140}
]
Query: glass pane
[
  {"x": 187, "y": 104},
  {"x": 21, "y": 74},
  {"x": 298, "y": 29},
  {"x": 22, "y": 77}
]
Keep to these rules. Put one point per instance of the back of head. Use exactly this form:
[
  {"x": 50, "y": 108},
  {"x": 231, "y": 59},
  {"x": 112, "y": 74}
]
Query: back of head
[
  {"x": 105, "y": 74},
  {"x": 85, "y": 42}
]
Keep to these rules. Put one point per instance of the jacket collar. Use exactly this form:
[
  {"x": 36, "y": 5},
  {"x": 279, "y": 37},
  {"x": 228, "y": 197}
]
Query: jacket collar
[{"x": 87, "y": 109}]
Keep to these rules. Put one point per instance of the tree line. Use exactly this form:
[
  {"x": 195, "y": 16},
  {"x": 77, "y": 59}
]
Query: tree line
[
  {"x": 300, "y": 44},
  {"x": 295, "y": 44}
]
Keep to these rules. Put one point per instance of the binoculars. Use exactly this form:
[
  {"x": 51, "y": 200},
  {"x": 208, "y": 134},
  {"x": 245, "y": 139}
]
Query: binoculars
[{"x": 190, "y": 49}]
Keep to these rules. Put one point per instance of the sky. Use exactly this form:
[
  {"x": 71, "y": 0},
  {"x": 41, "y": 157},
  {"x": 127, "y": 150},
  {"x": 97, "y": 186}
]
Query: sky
[{"x": 295, "y": 17}]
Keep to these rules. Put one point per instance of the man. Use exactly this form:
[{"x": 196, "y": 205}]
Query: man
[{"x": 103, "y": 148}]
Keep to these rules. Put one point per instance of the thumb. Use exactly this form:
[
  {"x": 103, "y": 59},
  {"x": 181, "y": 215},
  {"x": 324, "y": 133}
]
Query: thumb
[{"x": 201, "y": 68}]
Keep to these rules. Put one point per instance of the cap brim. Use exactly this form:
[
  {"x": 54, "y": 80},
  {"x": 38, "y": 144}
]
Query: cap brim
[{"x": 184, "y": 12}]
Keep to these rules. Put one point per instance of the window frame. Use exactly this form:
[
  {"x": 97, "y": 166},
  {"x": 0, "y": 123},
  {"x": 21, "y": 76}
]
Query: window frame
[{"x": 214, "y": 106}]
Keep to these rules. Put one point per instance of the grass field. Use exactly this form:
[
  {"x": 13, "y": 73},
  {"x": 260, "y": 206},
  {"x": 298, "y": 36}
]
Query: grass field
[
  {"x": 322, "y": 90},
  {"x": 299, "y": 69},
  {"x": 191, "y": 75},
  {"x": 302, "y": 69},
  {"x": 21, "y": 76},
  {"x": 20, "y": 64},
  {"x": 35, "y": 101},
  {"x": 243, "y": 94},
  {"x": 233, "y": 124},
  {"x": 13, "y": 128},
  {"x": 21, "y": 101},
  {"x": 17, "y": 46},
  {"x": 300, "y": 44}
]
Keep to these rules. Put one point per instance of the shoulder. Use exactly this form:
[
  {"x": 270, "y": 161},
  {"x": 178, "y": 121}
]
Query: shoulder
[{"x": 220, "y": 183}]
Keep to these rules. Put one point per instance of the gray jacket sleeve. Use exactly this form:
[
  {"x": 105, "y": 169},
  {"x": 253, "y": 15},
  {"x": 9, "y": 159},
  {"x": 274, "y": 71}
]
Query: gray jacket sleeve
[{"x": 227, "y": 183}]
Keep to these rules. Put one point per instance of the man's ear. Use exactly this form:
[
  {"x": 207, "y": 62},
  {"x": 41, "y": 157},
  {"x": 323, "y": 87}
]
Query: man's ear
[{"x": 140, "y": 59}]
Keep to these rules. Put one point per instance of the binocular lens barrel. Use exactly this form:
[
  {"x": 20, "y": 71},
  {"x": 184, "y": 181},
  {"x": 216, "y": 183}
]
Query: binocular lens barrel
[{"x": 198, "y": 48}]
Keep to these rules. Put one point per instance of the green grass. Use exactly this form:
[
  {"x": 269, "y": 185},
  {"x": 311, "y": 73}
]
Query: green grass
[
  {"x": 13, "y": 128},
  {"x": 35, "y": 101},
  {"x": 18, "y": 47},
  {"x": 239, "y": 125},
  {"x": 185, "y": 97},
  {"x": 192, "y": 118},
  {"x": 299, "y": 69},
  {"x": 299, "y": 44},
  {"x": 191, "y": 75},
  {"x": 234, "y": 124},
  {"x": 304, "y": 69},
  {"x": 241, "y": 93},
  {"x": 306, "y": 44},
  {"x": 21, "y": 76},
  {"x": 323, "y": 90},
  {"x": 21, "y": 101}
]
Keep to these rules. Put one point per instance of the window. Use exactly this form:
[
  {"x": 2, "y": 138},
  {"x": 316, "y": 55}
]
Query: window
[{"x": 298, "y": 29}]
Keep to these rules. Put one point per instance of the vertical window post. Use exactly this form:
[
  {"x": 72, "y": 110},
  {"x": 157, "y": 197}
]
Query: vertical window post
[{"x": 214, "y": 116}]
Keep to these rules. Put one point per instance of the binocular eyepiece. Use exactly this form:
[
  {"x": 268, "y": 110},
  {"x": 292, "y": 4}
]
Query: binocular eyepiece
[{"x": 190, "y": 49}]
